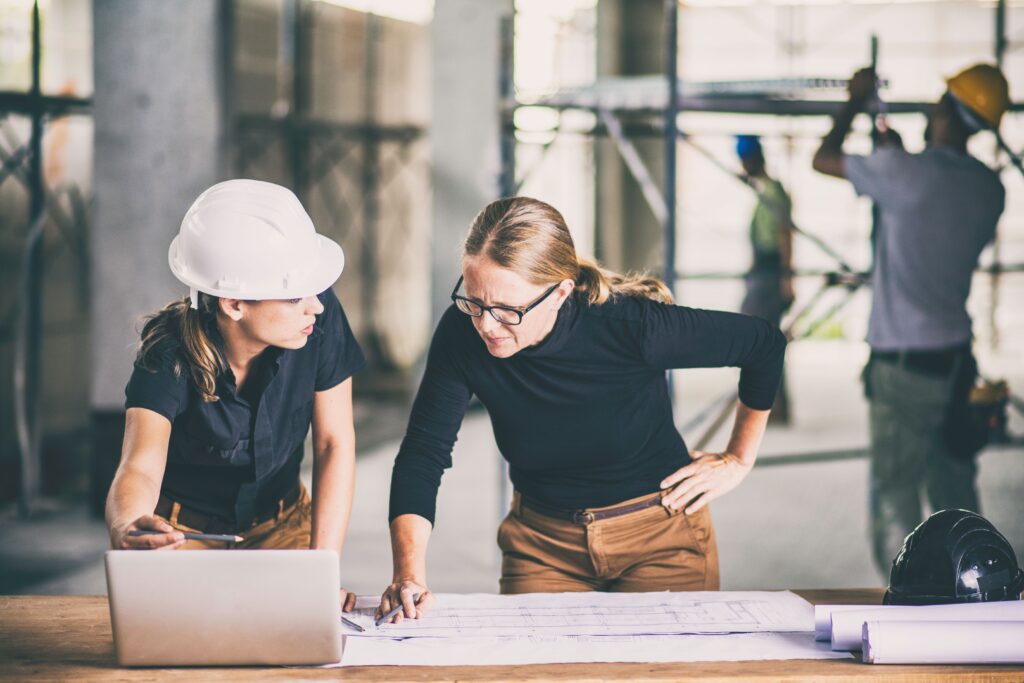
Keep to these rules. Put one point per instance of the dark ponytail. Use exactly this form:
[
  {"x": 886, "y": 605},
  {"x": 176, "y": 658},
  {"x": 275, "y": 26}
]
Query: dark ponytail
[{"x": 190, "y": 328}]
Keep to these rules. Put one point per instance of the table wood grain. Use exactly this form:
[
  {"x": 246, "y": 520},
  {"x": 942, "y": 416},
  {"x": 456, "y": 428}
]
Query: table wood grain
[{"x": 68, "y": 638}]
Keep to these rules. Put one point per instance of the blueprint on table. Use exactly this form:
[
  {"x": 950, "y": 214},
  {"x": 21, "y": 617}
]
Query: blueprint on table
[{"x": 597, "y": 614}]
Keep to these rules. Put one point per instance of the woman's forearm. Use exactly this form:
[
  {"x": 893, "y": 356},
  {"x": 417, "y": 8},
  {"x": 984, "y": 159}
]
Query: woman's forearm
[
  {"x": 136, "y": 487},
  {"x": 334, "y": 481},
  {"x": 133, "y": 494},
  {"x": 409, "y": 537},
  {"x": 747, "y": 432}
]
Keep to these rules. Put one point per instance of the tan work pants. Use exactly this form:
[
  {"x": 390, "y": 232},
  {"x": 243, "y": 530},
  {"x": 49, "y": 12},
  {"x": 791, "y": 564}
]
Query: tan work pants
[
  {"x": 654, "y": 549},
  {"x": 290, "y": 530}
]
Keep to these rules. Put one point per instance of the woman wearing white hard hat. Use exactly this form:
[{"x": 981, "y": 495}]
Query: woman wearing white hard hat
[{"x": 229, "y": 379}]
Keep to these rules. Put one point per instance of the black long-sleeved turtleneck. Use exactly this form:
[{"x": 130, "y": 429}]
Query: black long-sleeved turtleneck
[{"x": 584, "y": 417}]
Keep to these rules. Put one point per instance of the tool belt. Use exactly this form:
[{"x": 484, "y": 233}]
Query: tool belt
[
  {"x": 977, "y": 414},
  {"x": 212, "y": 524},
  {"x": 585, "y": 517},
  {"x": 987, "y": 410},
  {"x": 939, "y": 363}
]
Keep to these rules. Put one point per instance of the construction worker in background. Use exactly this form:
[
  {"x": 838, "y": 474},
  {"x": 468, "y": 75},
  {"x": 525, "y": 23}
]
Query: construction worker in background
[
  {"x": 938, "y": 209},
  {"x": 769, "y": 283}
]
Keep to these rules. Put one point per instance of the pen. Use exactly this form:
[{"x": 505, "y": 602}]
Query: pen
[
  {"x": 227, "y": 538},
  {"x": 352, "y": 624},
  {"x": 387, "y": 617}
]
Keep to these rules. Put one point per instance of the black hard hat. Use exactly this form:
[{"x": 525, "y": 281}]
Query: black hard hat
[{"x": 954, "y": 556}]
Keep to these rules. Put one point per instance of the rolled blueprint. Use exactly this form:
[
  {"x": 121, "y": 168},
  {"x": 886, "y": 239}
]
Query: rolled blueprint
[
  {"x": 943, "y": 642},
  {"x": 847, "y": 626},
  {"x": 823, "y": 618}
]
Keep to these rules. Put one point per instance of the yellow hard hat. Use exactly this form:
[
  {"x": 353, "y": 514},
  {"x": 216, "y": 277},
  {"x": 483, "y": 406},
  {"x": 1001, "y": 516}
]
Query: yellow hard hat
[{"x": 983, "y": 89}]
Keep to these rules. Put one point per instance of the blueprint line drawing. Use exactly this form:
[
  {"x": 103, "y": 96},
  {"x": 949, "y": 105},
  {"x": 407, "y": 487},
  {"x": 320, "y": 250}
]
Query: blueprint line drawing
[{"x": 602, "y": 614}]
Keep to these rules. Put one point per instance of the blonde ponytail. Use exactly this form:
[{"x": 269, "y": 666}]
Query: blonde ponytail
[
  {"x": 600, "y": 284},
  {"x": 530, "y": 238},
  {"x": 190, "y": 328}
]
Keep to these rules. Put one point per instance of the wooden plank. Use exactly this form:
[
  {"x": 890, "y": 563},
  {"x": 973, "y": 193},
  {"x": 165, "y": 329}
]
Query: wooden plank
[{"x": 68, "y": 638}]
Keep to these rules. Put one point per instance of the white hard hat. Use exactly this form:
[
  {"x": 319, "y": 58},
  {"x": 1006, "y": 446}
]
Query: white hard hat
[{"x": 249, "y": 239}]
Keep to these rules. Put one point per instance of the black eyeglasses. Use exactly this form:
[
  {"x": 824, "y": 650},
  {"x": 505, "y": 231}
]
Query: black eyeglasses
[{"x": 503, "y": 314}]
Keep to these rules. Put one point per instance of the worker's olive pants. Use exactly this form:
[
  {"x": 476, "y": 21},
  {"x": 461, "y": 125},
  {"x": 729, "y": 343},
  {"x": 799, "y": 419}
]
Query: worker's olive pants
[{"x": 909, "y": 451}]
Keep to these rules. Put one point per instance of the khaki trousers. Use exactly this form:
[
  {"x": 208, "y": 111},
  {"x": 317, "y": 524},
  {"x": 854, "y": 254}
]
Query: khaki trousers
[
  {"x": 290, "y": 530},
  {"x": 654, "y": 549}
]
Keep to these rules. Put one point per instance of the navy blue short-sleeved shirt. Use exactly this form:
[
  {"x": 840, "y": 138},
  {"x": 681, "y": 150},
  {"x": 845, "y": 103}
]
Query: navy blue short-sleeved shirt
[{"x": 236, "y": 456}]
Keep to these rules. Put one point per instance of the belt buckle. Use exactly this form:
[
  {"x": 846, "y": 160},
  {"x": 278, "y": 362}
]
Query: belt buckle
[{"x": 582, "y": 517}]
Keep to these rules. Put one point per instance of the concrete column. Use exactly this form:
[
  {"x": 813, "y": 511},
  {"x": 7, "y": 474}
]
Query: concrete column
[
  {"x": 465, "y": 128},
  {"x": 160, "y": 139},
  {"x": 630, "y": 42}
]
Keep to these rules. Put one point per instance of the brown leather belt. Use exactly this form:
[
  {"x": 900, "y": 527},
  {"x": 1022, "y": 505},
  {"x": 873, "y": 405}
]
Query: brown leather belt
[
  {"x": 585, "y": 517},
  {"x": 212, "y": 524}
]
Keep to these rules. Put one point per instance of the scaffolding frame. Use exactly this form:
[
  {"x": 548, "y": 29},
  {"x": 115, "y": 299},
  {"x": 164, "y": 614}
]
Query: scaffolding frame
[
  {"x": 630, "y": 107},
  {"x": 22, "y": 161},
  {"x": 316, "y": 147}
]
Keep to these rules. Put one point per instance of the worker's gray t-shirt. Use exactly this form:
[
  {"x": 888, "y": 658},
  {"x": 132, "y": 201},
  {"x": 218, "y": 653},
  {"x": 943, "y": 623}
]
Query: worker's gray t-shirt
[{"x": 938, "y": 210}]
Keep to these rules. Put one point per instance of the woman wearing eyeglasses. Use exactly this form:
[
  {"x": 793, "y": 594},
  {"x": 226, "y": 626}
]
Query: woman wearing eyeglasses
[{"x": 570, "y": 361}]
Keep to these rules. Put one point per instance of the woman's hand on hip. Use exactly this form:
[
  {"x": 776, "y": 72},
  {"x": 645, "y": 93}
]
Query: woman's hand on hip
[
  {"x": 169, "y": 538},
  {"x": 709, "y": 476},
  {"x": 403, "y": 592}
]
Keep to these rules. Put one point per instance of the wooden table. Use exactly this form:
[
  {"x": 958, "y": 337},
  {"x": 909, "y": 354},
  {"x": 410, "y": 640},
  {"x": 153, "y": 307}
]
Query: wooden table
[{"x": 69, "y": 639}]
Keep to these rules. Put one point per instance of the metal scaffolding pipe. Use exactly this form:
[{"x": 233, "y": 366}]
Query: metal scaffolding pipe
[
  {"x": 672, "y": 75},
  {"x": 636, "y": 166},
  {"x": 506, "y": 78},
  {"x": 31, "y": 314}
]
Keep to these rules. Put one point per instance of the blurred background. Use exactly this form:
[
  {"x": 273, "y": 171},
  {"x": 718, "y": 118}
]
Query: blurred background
[{"x": 395, "y": 121}]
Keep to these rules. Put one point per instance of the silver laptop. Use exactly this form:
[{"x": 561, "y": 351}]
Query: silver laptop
[{"x": 190, "y": 607}]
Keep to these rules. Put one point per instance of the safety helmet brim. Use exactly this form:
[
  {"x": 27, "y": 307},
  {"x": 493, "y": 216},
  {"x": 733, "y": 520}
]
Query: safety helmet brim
[{"x": 329, "y": 266}]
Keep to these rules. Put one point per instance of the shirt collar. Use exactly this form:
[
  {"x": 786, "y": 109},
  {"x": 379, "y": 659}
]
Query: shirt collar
[{"x": 565, "y": 322}]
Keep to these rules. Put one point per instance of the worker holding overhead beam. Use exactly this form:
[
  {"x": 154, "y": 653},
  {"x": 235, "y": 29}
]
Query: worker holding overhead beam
[
  {"x": 938, "y": 210},
  {"x": 569, "y": 359},
  {"x": 769, "y": 283}
]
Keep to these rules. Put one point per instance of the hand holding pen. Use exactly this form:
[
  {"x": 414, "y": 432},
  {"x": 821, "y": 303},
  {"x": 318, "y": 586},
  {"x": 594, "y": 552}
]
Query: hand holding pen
[
  {"x": 190, "y": 536},
  {"x": 148, "y": 532},
  {"x": 385, "y": 618},
  {"x": 403, "y": 599},
  {"x": 381, "y": 619}
]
